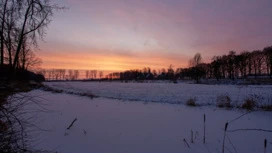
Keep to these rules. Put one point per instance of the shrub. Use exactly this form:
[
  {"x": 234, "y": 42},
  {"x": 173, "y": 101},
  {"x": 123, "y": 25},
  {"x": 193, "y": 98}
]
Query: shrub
[
  {"x": 266, "y": 107},
  {"x": 90, "y": 95},
  {"x": 249, "y": 104},
  {"x": 191, "y": 102},
  {"x": 223, "y": 101},
  {"x": 50, "y": 89}
]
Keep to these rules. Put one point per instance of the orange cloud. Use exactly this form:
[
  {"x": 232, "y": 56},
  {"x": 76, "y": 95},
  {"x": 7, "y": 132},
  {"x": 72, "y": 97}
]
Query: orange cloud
[{"x": 110, "y": 62}]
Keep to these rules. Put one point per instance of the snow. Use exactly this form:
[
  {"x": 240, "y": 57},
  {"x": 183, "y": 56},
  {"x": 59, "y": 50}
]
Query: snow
[
  {"x": 116, "y": 124},
  {"x": 170, "y": 92}
]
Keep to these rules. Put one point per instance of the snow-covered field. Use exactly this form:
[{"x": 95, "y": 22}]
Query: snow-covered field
[
  {"x": 169, "y": 92},
  {"x": 114, "y": 123}
]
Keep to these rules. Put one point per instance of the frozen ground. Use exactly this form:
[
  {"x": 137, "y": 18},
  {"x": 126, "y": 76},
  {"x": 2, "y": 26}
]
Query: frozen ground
[
  {"x": 113, "y": 126},
  {"x": 169, "y": 92}
]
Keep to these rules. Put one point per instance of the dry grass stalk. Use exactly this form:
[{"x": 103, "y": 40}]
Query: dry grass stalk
[{"x": 72, "y": 123}]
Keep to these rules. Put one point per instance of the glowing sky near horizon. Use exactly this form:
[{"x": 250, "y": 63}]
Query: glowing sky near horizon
[{"x": 132, "y": 34}]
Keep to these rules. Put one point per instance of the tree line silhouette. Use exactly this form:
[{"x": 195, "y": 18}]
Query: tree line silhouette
[
  {"x": 63, "y": 74},
  {"x": 254, "y": 64},
  {"x": 231, "y": 66}
]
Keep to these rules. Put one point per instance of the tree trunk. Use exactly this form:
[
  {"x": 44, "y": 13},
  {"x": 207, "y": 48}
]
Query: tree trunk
[
  {"x": 2, "y": 34},
  {"x": 20, "y": 42},
  {"x": 271, "y": 71}
]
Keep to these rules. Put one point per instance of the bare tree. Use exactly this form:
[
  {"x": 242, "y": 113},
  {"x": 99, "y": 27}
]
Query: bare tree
[
  {"x": 163, "y": 70},
  {"x": 154, "y": 72},
  {"x": 100, "y": 74},
  {"x": 11, "y": 31},
  {"x": 230, "y": 64},
  {"x": 30, "y": 23},
  {"x": 76, "y": 74},
  {"x": 62, "y": 73},
  {"x": 257, "y": 60},
  {"x": 22, "y": 22},
  {"x": 3, "y": 19},
  {"x": 87, "y": 74},
  {"x": 28, "y": 60},
  {"x": 94, "y": 74},
  {"x": 91, "y": 74},
  {"x": 170, "y": 72},
  {"x": 216, "y": 65},
  {"x": 195, "y": 62},
  {"x": 71, "y": 74},
  {"x": 268, "y": 57}
]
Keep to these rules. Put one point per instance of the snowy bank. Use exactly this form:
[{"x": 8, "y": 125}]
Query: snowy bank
[{"x": 170, "y": 93}]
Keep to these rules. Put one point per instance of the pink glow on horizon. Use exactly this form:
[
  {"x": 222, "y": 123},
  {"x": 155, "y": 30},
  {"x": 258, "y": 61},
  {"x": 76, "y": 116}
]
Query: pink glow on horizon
[{"x": 119, "y": 35}]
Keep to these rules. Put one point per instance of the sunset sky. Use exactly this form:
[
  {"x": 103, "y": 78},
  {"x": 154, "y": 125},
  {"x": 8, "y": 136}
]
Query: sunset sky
[{"x": 117, "y": 35}]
